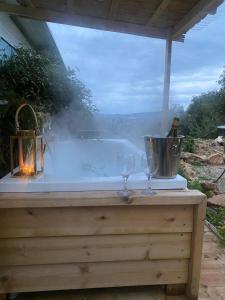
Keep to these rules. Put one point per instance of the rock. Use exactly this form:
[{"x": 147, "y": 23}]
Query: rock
[
  {"x": 187, "y": 170},
  {"x": 216, "y": 159},
  {"x": 218, "y": 200},
  {"x": 210, "y": 186},
  {"x": 218, "y": 141},
  {"x": 184, "y": 155},
  {"x": 193, "y": 158}
]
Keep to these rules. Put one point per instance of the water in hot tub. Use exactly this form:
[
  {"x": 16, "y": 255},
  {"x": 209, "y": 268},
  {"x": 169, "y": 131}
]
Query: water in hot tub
[{"x": 77, "y": 159}]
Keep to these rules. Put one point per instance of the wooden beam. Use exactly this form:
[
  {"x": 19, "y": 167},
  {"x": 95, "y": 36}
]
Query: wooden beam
[
  {"x": 26, "y": 3},
  {"x": 113, "y": 9},
  {"x": 160, "y": 9},
  {"x": 70, "y": 5},
  {"x": 166, "y": 89},
  {"x": 83, "y": 21},
  {"x": 197, "y": 13}
]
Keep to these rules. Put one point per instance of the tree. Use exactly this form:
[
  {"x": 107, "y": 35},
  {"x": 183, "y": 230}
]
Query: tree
[
  {"x": 42, "y": 81},
  {"x": 205, "y": 113},
  {"x": 201, "y": 117}
]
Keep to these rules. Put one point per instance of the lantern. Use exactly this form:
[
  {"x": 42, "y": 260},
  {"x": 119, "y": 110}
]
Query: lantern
[{"x": 26, "y": 149}]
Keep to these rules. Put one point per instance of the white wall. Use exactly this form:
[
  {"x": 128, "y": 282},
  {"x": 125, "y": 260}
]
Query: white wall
[{"x": 10, "y": 32}]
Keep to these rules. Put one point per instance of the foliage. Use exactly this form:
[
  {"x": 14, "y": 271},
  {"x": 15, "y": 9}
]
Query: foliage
[
  {"x": 205, "y": 113},
  {"x": 217, "y": 218},
  {"x": 195, "y": 185},
  {"x": 42, "y": 81},
  {"x": 188, "y": 144},
  {"x": 202, "y": 116},
  {"x": 221, "y": 232}
]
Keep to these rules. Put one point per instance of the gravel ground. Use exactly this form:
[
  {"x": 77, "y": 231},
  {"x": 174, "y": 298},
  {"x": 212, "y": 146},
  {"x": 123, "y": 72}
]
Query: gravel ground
[{"x": 205, "y": 147}]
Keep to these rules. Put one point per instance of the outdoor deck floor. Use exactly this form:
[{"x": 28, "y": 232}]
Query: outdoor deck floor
[{"x": 212, "y": 282}]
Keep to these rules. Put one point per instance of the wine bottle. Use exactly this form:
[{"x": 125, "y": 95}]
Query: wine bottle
[{"x": 174, "y": 128}]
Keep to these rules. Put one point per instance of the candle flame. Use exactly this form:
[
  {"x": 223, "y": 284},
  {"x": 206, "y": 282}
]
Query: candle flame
[
  {"x": 27, "y": 170},
  {"x": 27, "y": 164}
]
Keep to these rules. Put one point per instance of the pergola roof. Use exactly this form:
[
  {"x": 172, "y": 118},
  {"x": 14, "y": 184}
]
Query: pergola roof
[{"x": 150, "y": 18}]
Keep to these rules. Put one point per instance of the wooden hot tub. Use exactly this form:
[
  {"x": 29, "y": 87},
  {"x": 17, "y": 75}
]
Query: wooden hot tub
[{"x": 77, "y": 240}]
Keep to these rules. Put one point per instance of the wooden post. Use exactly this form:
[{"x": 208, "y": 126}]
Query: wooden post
[
  {"x": 196, "y": 251},
  {"x": 175, "y": 289},
  {"x": 166, "y": 89}
]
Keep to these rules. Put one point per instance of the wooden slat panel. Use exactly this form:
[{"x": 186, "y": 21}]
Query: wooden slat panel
[
  {"x": 195, "y": 15},
  {"x": 90, "y": 275},
  {"x": 37, "y": 222},
  {"x": 97, "y": 198},
  {"x": 157, "y": 13},
  {"x": 51, "y": 250},
  {"x": 72, "y": 18},
  {"x": 136, "y": 11}
]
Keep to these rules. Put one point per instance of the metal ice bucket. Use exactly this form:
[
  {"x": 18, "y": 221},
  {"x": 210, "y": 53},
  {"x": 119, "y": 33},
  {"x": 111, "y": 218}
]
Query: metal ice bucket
[{"x": 163, "y": 155}]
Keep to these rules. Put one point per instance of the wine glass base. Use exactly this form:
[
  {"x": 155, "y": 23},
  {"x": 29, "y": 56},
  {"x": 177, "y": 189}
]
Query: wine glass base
[
  {"x": 124, "y": 193},
  {"x": 149, "y": 192}
]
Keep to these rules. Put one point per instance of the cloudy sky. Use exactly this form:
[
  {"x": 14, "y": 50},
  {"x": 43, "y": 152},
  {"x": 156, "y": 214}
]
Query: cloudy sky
[{"x": 125, "y": 72}]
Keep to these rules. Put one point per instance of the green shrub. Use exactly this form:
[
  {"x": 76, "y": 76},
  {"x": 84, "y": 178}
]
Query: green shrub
[
  {"x": 222, "y": 233},
  {"x": 195, "y": 185},
  {"x": 216, "y": 217},
  {"x": 188, "y": 144}
]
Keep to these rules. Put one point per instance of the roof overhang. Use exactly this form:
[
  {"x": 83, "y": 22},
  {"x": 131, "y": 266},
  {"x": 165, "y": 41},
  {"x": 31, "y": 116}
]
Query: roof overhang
[
  {"x": 37, "y": 34},
  {"x": 150, "y": 18}
]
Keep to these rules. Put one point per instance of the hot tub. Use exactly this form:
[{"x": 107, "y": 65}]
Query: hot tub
[
  {"x": 71, "y": 229},
  {"x": 86, "y": 165}
]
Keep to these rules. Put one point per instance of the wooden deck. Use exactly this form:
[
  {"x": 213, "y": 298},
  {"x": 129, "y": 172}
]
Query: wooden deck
[
  {"x": 213, "y": 268},
  {"x": 212, "y": 282}
]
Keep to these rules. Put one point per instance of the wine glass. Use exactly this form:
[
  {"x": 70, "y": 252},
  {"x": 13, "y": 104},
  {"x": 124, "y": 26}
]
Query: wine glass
[
  {"x": 147, "y": 167},
  {"x": 126, "y": 164}
]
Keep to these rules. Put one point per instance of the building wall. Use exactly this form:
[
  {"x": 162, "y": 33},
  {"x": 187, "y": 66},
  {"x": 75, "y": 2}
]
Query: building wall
[{"x": 10, "y": 33}]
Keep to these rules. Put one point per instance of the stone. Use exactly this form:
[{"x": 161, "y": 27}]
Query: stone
[
  {"x": 218, "y": 141},
  {"x": 193, "y": 158},
  {"x": 187, "y": 170},
  {"x": 218, "y": 200},
  {"x": 216, "y": 159},
  {"x": 210, "y": 186}
]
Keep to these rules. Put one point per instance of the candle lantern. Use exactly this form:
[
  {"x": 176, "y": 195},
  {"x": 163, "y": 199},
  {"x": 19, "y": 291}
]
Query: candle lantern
[{"x": 26, "y": 149}]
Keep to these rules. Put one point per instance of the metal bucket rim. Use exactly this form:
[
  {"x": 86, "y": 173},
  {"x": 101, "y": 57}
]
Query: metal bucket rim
[{"x": 148, "y": 137}]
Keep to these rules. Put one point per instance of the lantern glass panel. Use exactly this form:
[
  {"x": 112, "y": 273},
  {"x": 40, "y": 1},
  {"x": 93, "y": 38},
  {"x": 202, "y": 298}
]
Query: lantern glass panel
[
  {"x": 39, "y": 154},
  {"x": 27, "y": 156}
]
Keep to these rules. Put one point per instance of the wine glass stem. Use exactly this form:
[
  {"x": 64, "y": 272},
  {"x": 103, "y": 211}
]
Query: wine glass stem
[
  {"x": 125, "y": 179},
  {"x": 150, "y": 182}
]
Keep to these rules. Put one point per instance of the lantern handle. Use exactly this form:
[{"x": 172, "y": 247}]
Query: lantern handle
[{"x": 17, "y": 116}]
